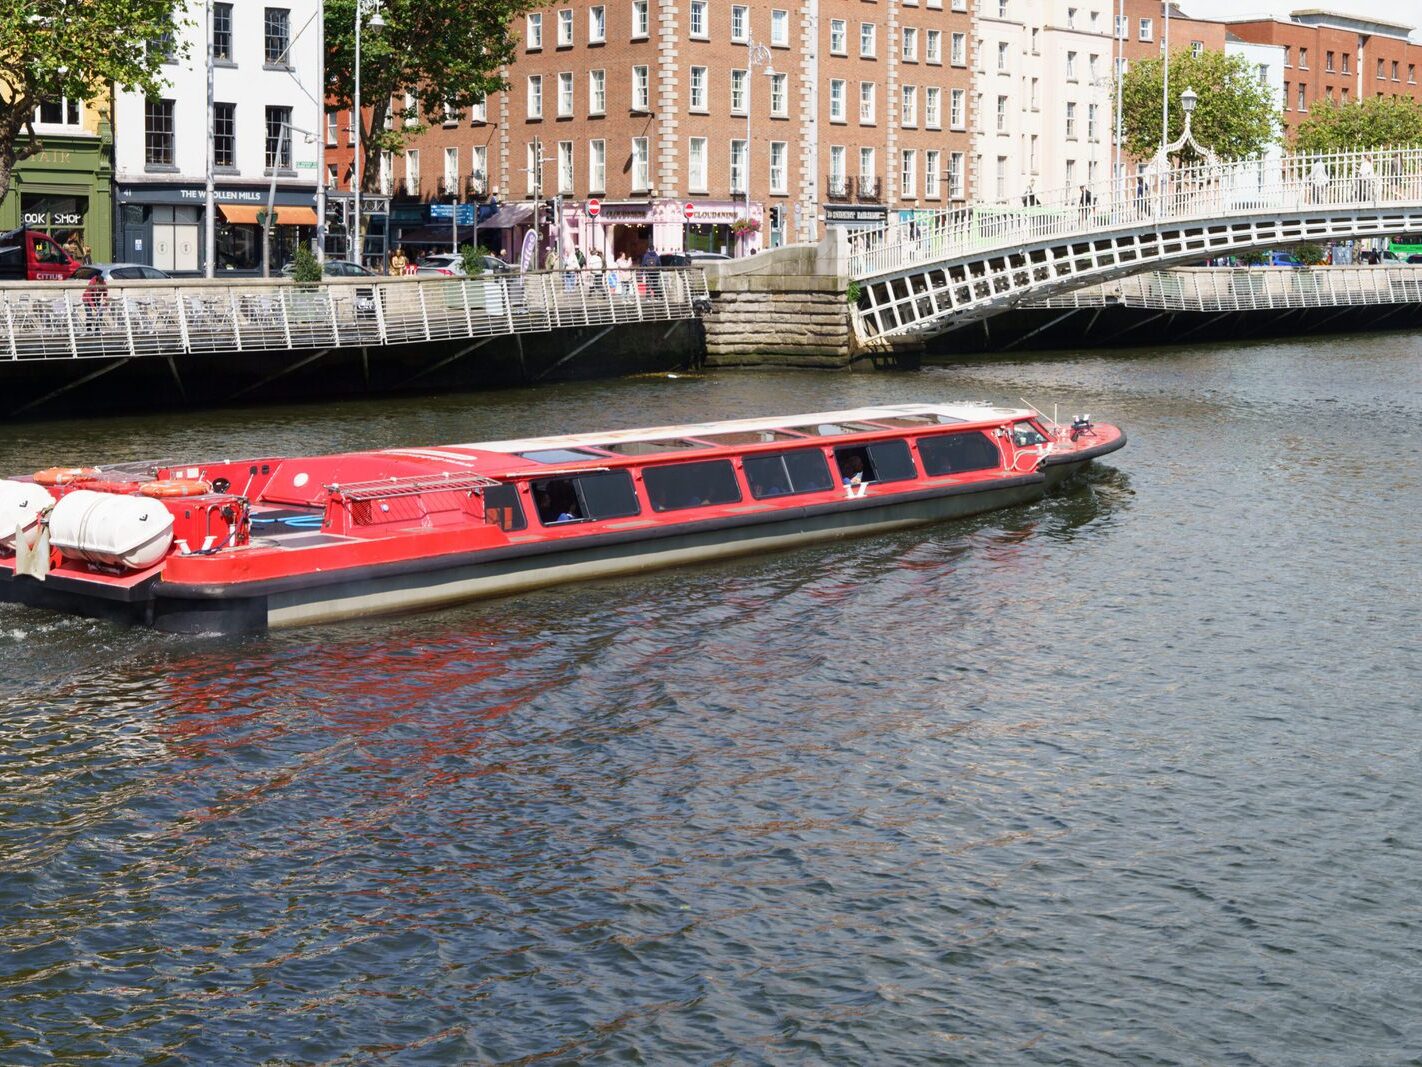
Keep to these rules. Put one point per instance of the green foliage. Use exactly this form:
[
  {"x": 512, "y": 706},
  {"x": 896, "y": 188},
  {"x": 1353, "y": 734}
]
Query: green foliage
[
  {"x": 1235, "y": 115},
  {"x": 472, "y": 259},
  {"x": 1373, "y": 122},
  {"x": 50, "y": 48},
  {"x": 1309, "y": 254},
  {"x": 306, "y": 269},
  {"x": 1253, "y": 259},
  {"x": 852, "y": 293},
  {"x": 443, "y": 52}
]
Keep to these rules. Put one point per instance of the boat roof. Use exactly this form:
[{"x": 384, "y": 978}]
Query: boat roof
[{"x": 964, "y": 412}]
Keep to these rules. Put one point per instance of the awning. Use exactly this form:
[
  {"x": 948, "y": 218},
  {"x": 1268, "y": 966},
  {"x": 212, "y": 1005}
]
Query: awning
[
  {"x": 508, "y": 216},
  {"x": 246, "y": 215}
]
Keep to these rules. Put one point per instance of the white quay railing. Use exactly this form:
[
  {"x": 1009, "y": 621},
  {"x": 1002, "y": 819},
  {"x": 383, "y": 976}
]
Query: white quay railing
[
  {"x": 52, "y": 320},
  {"x": 1247, "y": 187},
  {"x": 1217, "y": 289}
]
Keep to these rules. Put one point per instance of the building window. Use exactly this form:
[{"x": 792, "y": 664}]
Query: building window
[
  {"x": 955, "y": 175},
  {"x": 597, "y": 24},
  {"x": 1303, "y": 97},
  {"x": 58, "y": 111},
  {"x": 698, "y": 89},
  {"x": 333, "y": 128},
  {"x": 910, "y": 48},
  {"x": 739, "y": 17},
  {"x": 933, "y": 107},
  {"x": 1147, "y": 30},
  {"x": 1303, "y": 58},
  {"x": 930, "y": 174},
  {"x": 1035, "y": 99},
  {"x": 1093, "y": 67},
  {"x": 1002, "y": 114},
  {"x": 908, "y": 106},
  {"x": 777, "y": 167},
  {"x": 535, "y": 96},
  {"x": 1001, "y": 190},
  {"x": 565, "y": 166},
  {"x": 597, "y": 165},
  {"x": 698, "y": 19},
  {"x": 958, "y": 5},
  {"x": 479, "y": 167},
  {"x": 738, "y": 92},
  {"x": 451, "y": 171},
  {"x": 696, "y": 164},
  {"x": 640, "y": 24},
  {"x": 1002, "y": 58},
  {"x": 738, "y": 166},
  {"x": 1197, "y": 48},
  {"x": 565, "y": 28},
  {"x": 777, "y": 95},
  {"x": 224, "y": 135},
  {"x": 1091, "y": 122},
  {"x": 780, "y": 29},
  {"x": 278, "y": 154},
  {"x": 1070, "y": 120},
  {"x": 641, "y": 165},
  {"x": 866, "y": 162},
  {"x": 1070, "y": 173},
  {"x": 479, "y": 111},
  {"x": 1382, "y": 66},
  {"x": 565, "y": 94},
  {"x": 836, "y": 106},
  {"x": 908, "y": 174},
  {"x": 837, "y": 170},
  {"x": 412, "y": 172},
  {"x": 866, "y": 103},
  {"x": 958, "y": 50},
  {"x": 277, "y": 36},
  {"x": 222, "y": 33},
  {"x": 1002, "y": 9},
  {"x": 1412, "y": 74},
  {"x": 1288, "y": 105},
  {"x": 839, "y": 37},
  {"x": 641, "y": 90},
  {"x": 1394, "y": 69},
  {"x": 597, "y": 92},
  {"x": 866, "y": 40},
  {"x": 1071, "y": 66},
  {"x": 955, "y": 108},
  {"x": 535, "y": 32},
  {"x": 933, "y": 46}
]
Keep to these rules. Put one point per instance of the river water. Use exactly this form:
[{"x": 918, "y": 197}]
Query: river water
[{"x": 1132, "y": 775}]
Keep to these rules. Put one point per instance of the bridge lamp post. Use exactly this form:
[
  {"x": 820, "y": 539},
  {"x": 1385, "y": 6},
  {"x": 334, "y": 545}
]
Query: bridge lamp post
[
  {"x": 757, "y": 55},
  {"x": 376, "y": 22}
]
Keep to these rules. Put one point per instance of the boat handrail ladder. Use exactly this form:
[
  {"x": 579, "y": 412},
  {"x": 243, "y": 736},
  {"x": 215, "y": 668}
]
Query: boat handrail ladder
[{"x": 410, "y": 485}]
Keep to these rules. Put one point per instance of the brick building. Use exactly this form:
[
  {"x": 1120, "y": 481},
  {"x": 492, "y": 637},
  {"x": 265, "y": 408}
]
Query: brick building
[{"x": 1336, "y": 57}]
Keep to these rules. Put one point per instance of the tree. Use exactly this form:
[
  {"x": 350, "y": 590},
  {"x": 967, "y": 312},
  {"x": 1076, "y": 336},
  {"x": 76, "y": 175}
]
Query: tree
[
  {"x": 51, "y": 49},
  {"x": 443, "y": 53},
  {"x": 1235, "y": 116},
  {"x": 1373, "y": 122}
]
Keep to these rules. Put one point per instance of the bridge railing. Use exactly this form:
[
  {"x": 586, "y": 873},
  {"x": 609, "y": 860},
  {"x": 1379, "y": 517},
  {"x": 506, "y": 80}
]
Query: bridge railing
[
  {"x": 1224, "y": 289},
  {"x": 51, "y": 320},
  {"x": 1350, "y": 180}
]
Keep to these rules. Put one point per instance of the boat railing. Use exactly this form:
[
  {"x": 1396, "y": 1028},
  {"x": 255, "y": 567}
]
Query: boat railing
[{"x": 411, "y": 485}]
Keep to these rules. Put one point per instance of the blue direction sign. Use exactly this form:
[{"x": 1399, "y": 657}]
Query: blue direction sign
[{"x": 463, "y": 214}]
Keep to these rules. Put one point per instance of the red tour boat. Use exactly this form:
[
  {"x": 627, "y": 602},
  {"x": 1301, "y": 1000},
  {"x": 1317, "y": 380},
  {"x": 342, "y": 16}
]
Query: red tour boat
[{"x": 242, "y": 545}]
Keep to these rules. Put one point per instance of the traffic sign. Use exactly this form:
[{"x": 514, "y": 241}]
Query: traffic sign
[
  {"x": 594, "y": 206},
  {"x": 463, "y": 214},
  {"x": 689, "y": 210}
]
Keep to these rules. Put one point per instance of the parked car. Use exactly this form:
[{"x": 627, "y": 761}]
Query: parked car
[
  {"x": 335, "y": 268},
  {"x": 450, "y": 264},
  {"x": 34, "y": 256},
  {"x": 121, "y": 272},
  {"x": 690, "y": 259}
]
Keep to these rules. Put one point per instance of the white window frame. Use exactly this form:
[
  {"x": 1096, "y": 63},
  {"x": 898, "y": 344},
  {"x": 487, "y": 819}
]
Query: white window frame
[
  {"x": 535, "y": 96},
  {"x": 479, "y": 111},
  {"x": 565, "y": 94},
  {"x": 868, "y": 40},
  {"x": 740, "y": 23},
  {"x": 641, "y": 20},
  {"x": 957, "y": 109},
  {"x": 565, "y": 167},
  {"x": 698, "y": 91},
  {"x": 779, "y": 28},
  {"x": 909, "y": 50},
  {"x": 958, "y": 50},
  {"x": 597, "y": 165},
  {"x": 932, "y": 107},
  {"x": 838, "y": 89},
  {"x": 1146, "y": 28},
  {"x": 839, "y": 28},
  {"x": 696, "y": 170},
  {"x": 597, "y": 24},
  {"x": 955, "y": 175},
  {"x": 908, "y": 174},
  {"x": 933, "y": 46},
  {"x": 597, "y": 91},
  {"x": 908, "y": 107},
  {"x": 737, "y": 162},
  {"x": 1069, "y": 126},
  {"x": 779, "y": 95},
  {"x": 641, "y": 164},
  {"x": 641, "y": 88},
  {"x": 534, "y": 21},
  {"x": 931, "y": 164},
  {"x": 565, "y": 27},
  {"x": 779, "y": 169},
  {"x": 866, "y": 103},
  {"x": 738, "y": 83},
  {"x": 698, "y": 21}
]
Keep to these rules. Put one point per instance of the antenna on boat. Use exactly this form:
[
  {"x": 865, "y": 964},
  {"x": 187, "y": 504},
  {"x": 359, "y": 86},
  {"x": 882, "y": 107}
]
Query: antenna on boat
[{"x": 1039, "y": 411}]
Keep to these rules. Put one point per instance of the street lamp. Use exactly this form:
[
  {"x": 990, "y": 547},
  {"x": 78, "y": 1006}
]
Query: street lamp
[
  {"x": 757, "y": 55},
  {"x": 376, "y": 23},
  {"x": 1188, "y": 99}
]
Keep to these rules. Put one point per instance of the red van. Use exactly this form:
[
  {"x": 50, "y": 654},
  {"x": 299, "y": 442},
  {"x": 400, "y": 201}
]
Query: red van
[{"x": 29, "y": 255}]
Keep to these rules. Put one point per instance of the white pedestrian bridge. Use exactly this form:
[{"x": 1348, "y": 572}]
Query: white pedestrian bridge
[{"x": 930, "y": 272}]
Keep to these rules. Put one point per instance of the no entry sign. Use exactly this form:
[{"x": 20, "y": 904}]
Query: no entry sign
[
  {"x": 594, "y": 206},
  {"x": 689, "y": 210}
]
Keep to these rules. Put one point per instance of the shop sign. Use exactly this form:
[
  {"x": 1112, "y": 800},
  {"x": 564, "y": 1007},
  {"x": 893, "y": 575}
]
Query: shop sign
[
  {"x": 705, "y": 214},
  {"x": 848, "y": 214},
  {"x": 194, "y": 194},
  {"x": 626, "y": 213}
]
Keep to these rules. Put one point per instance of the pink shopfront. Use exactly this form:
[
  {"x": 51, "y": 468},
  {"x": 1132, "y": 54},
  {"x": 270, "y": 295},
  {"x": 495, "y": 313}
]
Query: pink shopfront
[{"x": 628, "y": 226}]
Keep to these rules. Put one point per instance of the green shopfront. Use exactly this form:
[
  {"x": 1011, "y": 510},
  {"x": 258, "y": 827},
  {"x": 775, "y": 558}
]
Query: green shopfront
[{"x": 66, "y": 189}]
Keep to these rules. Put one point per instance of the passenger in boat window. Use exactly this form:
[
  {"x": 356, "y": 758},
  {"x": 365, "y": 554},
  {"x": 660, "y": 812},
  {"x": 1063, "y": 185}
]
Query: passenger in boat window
[
  {"x": 851, "y": 466},
  {"x": 556, "y": 501}
]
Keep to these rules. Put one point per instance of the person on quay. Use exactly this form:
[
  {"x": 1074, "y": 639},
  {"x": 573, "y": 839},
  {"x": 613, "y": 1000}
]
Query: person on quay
[
  {"x": 650, "y": 262},
  {"x": 76, "y": 247}
]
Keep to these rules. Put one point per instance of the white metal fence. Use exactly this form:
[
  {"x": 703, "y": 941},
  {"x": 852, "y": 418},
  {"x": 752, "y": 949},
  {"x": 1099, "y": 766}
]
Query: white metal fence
[
  {"x": 1246, "y": 289},
  {"x": 50, "y": 320},
  {"x": 1247, "y": 187}
]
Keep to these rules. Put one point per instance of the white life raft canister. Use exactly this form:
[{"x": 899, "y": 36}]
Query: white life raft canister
[
  {"x": 20, "y": 505},
  {"x": 126, "y": 531}
]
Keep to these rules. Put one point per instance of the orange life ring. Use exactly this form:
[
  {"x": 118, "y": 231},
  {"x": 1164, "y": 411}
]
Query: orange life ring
[
  {"x": 65, "y": 475},
  {"x": 105, "y": 486},
  {"x": 176, "y": 487}
]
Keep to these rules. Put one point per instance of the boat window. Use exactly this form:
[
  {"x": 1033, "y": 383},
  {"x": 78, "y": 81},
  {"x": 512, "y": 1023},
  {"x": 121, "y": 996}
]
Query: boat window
[
  {"x": 748, "y": 437},
  {"x": 585, "y": 497},
  {"x": 502, "y": 509},
  {"x": 955, "y": 453},
  {"x": 648, "y": 448},
  {"x": 672, "y": 486},
  {"x": 804, "y": 471},
  {"x": 834, "y": 429},
  {"x": 918, "y": 420},
  {"x": 882, "y": 461},
  {"x": 1025, "y": 435},
  {"x": 561, "y": 455}
]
